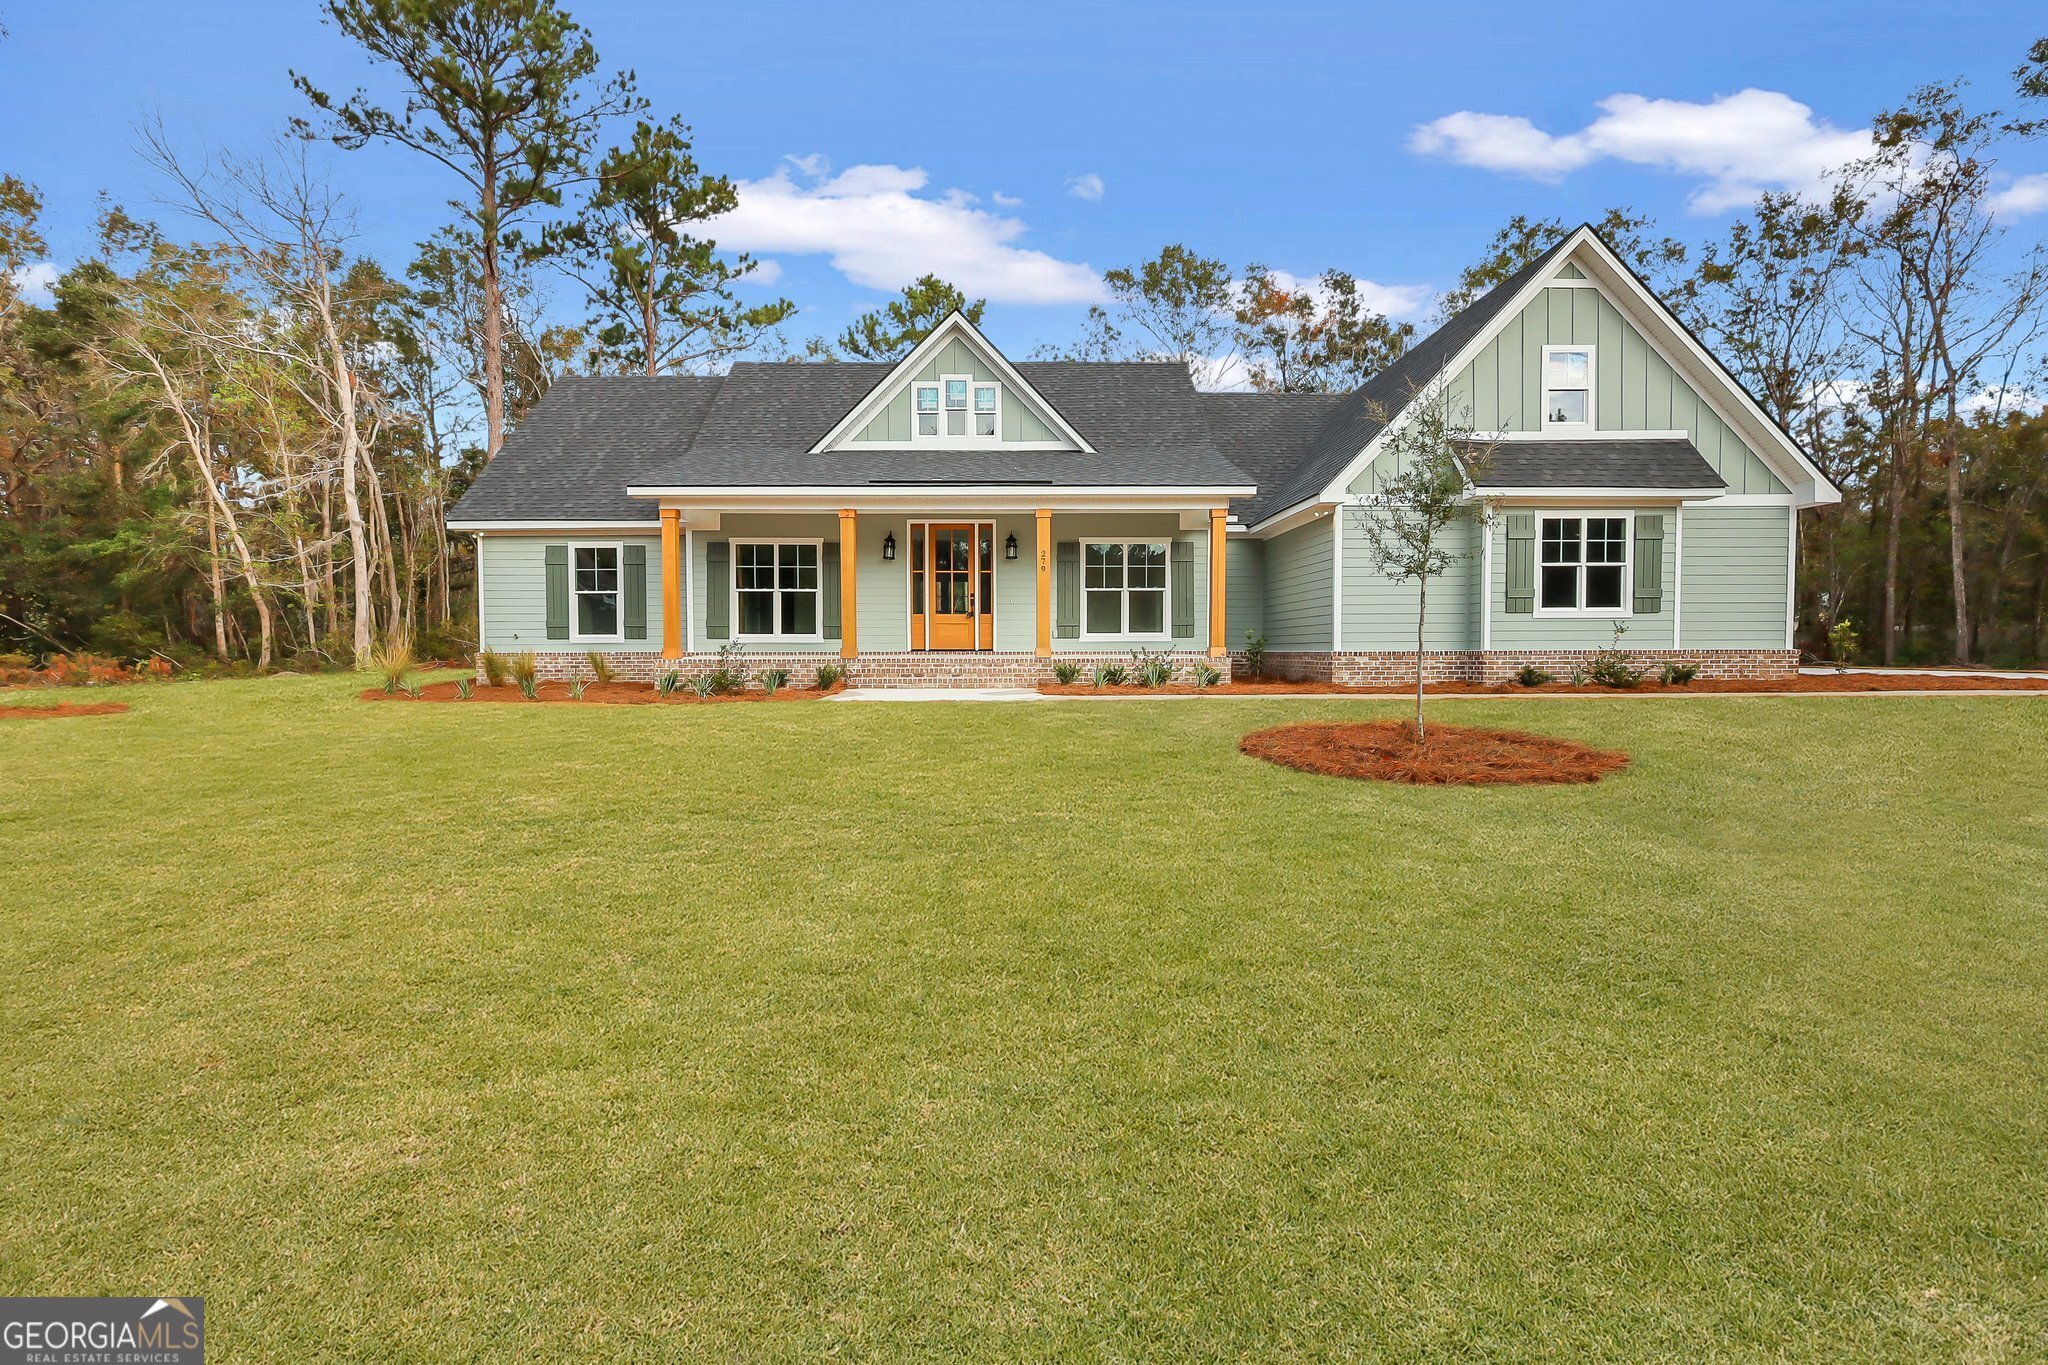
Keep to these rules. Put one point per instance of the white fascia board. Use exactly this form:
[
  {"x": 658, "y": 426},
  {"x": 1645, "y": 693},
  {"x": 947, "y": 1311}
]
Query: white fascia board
[
  {"x": 557, "y": 525},
  {"x": 956, "y": 323},
  {"x": 913, "y": 496}
]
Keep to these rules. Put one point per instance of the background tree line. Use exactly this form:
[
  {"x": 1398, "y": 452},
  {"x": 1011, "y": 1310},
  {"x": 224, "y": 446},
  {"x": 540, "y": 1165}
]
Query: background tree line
[{"x": 232, "y": 434}]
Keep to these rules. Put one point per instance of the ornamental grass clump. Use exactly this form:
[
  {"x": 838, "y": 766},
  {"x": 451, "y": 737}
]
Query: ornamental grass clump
[
  {"x": 493, "y": 665},
  {"x": 667, "y": 683},
  {"x": 1109, "y": 675},
  {"x": 772, "y": 679},
  {"x": 601, "y": 668},
  {"x": 464, "y": 689},
  {"x": 703, "y": 685},
  {"x": 1065, "y": 672},
  {"x": 1205, "y": 675},
  {"x": 529, "y": 686},
  {"x": 394, "y": 659},
  {"x": 830, "y": 676},
  {"x": 577, "y": 687},
  {"x": 1677, "y": 674}
]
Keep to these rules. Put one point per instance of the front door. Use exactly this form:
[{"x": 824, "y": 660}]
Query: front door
[{"x": 952, "y": 594}]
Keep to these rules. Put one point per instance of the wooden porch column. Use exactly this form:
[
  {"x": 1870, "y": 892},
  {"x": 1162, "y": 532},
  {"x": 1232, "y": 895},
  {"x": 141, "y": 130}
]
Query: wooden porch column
[
  {"x": 671, "y": 583},
  {"x": 1219, "y": 590},
  {"x": 849, "y": 574},
  {"x": 1044, "y": 582}
]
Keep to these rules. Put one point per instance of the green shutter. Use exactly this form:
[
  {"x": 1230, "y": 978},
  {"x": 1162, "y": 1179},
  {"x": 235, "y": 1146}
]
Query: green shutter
[
  {"x": 1521, "y": 563},
  {"x": 1649, "y": 563},
  {"x": 635, "y": 583},
  {"x": 828, "y": 568},
  {"x": 1066, "y": 590},
  {"x": 558, "y": 592},
  {"x": 717, "y": 589},
  {"x": 1183, "y": 589}
]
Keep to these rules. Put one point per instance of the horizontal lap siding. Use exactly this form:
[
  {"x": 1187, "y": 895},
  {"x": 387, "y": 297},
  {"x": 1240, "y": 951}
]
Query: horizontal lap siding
[
  {"x": 822, "y": 526},
  {"x": 1651, "y": 630},
  {"x": 1380, "y": 613},
  {"x": 1135, "y": 526},
  {"x": 515, "y": 592},
  {"x": 1298, "y": 588},
  {"x": 1734, "y": 577},
  {"x": 1245, "y": 578}
]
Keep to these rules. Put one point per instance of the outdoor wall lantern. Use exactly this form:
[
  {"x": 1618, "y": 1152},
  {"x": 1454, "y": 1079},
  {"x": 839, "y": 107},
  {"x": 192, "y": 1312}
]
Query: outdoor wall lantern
[
  {"x": 889, "y": 546},
  {"x": 1010, "y": 546}
]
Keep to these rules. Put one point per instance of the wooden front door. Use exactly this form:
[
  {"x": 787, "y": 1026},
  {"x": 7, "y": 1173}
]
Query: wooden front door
[{"x": 952, "y": 595}]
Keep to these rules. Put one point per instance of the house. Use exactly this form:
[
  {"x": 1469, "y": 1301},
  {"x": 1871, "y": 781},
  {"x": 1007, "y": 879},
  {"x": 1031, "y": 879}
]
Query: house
[{"x": 959, "y": 518}]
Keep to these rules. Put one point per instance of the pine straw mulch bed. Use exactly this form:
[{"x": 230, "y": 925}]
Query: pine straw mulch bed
[
  {"x": 597, "y": 694},
  {"x": 1451, "y": 755},
  {"x": 69, "y": 708},
  {"x": 1831, "y": 682}
]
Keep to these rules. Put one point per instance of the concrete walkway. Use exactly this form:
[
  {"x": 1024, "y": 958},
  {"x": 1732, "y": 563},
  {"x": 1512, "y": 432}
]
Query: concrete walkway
[{"x": 1812, "y": 671}]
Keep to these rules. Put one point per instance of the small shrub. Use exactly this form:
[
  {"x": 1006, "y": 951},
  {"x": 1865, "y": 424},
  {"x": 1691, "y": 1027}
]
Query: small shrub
[
  {"x": 1677, "y": 674},
  {"x": 1151, "y": 668},
  {"x": 493, "y": 665},
  {"x": 703, "y": 685},
  {"x": 464, "y": 689},
  {"x": 1532, "y": 676},
  {"x": 577, "y": 687},
  {"x": 394, "y": 659},
  {"x": 1109, "y": 675},
  {"x": 730, "y": 675},
  {"x": 1255, "y": 654},
  {"x": 1611, "y": 666},
  {"x": 601, "y": 668},
  {"x": 1065, "y": 672},
  {"x": 529, "y": 685},
  {"x": 1578, "y": 678},
  {"x": 1205, "y": 675},
  {"x": 411, "y": 690},
  {"x": 830, "y": 676},
  {"x": 1843, "y": 642},
  {"x": 667, "y": 683},
  {"x": 772, "y": 679},
  {"x": 523, "y": 667}
]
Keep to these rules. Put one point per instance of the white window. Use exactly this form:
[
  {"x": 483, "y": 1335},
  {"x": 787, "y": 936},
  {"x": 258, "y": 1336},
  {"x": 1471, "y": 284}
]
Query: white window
[
  {"x": 956, "y": 408},
  {"x": 775, "y": 589},
  {"x": 1123, "y": 589},
  {"x": 594, "y": 608},
  {"x": 1567, "y": 387},
  {"x": 1582, "y": 566}
]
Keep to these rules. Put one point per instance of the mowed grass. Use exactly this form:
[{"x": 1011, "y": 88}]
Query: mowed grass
[{"x": 1024, "y": 1031}]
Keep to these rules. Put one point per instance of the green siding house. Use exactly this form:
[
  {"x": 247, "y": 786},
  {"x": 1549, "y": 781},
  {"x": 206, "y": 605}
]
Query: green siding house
[{"x": 958, "y": 519}]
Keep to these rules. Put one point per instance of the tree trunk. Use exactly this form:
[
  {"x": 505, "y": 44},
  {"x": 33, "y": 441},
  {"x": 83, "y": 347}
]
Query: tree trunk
[
  {"x": 1958, "y": 574},
  {"x": 214, "y": 581},
  {"x": 1895, "y": 516},
  {"x": 1421, "y": 613},
  {"x": 494, "y": 311}
]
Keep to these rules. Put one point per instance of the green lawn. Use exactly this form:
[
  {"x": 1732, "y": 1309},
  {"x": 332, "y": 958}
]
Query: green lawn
[{"x": 1023, "y": 1031}]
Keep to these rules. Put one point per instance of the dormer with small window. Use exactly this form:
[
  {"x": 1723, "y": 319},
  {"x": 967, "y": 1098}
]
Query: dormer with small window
[{"x": 958, "y": 408}]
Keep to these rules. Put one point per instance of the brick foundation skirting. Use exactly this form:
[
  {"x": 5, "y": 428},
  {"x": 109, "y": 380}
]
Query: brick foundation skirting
[
  {"x": 1392, "y": 668},
  {"x": 909, "y": 668}
]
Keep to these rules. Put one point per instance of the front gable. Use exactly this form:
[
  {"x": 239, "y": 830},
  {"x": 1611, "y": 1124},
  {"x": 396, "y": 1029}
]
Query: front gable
[{"x": 955, "y": 391}]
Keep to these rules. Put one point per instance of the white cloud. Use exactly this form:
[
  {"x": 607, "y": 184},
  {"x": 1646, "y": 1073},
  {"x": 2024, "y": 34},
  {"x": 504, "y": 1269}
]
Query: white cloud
[
  {"x": 767, "y": 271},
  {"x": 2028, "y": 194},
  {"x": 1004, "y": 201},
  {"x": 1737, "y": 145},
  {"x": 882, "y": 233},
  {"x": 1395, "y": 300},
  {"x": 1087, "y": 185},
  {"x": 35, "y": 280}
]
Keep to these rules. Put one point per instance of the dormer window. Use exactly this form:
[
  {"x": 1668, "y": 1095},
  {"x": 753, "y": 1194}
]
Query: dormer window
[
  {"x": 957, "y": 408},
  {"x": 1567, "y": 387}
]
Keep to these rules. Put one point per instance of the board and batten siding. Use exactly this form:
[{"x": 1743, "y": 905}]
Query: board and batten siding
[
  {"x": 514, "y": 597},
  {"x": 1380, "y": 613},
  {"x": 892, "y": 424},
  {"x": 1633, "y": 388},
  {"x": 1735, "y": 577},
  {"x": 1300, "y": 566}
]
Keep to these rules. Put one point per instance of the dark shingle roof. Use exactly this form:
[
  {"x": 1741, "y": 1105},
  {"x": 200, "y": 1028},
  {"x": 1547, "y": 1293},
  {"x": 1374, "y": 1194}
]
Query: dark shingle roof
[
  {"x": 1266, "y": 435},
  {"x": 1369, "y": 407},
  {"x": 588, "y": 438},
  {"x": 1598, "y": 464},
  {"x": 1142, "y": 420}
]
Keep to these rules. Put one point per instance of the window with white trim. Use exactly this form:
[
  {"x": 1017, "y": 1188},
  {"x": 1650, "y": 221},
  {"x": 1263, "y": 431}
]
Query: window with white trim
[
  {"x": 594, "y": 586},
  {"x": 1123, "y": 589},
  {"x": 925, "y": 410},
  {"x": 958, "y": 407},
  {"x": 775, "y": 588},
  {"x": 1582, "y": 565},
  {"x": 1567, "y": 386},
  {"x": 987, "y": 407}
]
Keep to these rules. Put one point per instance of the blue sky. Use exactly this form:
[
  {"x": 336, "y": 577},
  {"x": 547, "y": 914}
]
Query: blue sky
[{"x": 1022, "y": 149}]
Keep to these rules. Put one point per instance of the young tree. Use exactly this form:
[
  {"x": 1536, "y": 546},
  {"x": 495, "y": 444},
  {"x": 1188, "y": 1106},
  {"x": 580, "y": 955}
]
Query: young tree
[
  {"x": 1412, "y": 517},
  {"x": 893, "y": 330},
  {"x": 501, "y": 92},
  {"x": 664, "y": 297}
]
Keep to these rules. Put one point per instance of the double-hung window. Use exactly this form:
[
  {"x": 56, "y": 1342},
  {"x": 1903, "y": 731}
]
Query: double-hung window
[
  {"x": 1584, "y": 565},
  {"x": 595, "y": 587},
  {"x": 1123, "y": 587},
  {"x": 775, "y": 587},
  {"x": 957, "y": 407},
  {"x": 925, "y": 410},
  {"x": 985, "y": 407},
  {"x": 1567, "y": 387}
]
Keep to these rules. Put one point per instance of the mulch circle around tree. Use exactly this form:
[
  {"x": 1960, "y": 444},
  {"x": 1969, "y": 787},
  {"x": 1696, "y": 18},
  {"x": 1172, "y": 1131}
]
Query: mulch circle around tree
[
  {"x": 69, "y": 708},
  {"x": 596, "y": 694},
  {"x": 1451, "y": 755}
]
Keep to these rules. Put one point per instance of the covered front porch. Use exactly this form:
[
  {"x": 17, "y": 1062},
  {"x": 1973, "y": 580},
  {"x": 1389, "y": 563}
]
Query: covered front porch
[{"x": 966, "y": 594}]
